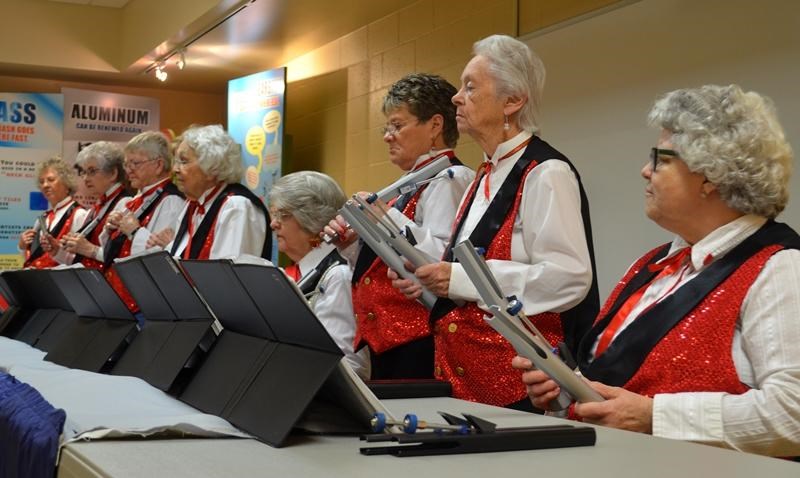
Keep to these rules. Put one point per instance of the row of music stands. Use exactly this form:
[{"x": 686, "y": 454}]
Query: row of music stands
[{"x": 233, "y": 340}]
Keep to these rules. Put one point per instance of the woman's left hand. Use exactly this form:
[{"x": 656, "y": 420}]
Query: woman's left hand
[
  {"x": 435, "y": 277},
  {"x": 77, "y": 244},
  {"x": 621, "y": 409}
]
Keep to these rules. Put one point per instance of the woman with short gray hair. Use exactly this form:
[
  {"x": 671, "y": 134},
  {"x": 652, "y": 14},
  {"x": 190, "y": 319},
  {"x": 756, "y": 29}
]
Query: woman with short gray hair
[
  {"x": 528, "y": 210},
  {"x": 56, "y": 182},
  {"x": 699, "y": 339},
  {"x": 301, "y": 204},
  {"x": 100, "y": 166},
  {"x": 222, "y": 218}
]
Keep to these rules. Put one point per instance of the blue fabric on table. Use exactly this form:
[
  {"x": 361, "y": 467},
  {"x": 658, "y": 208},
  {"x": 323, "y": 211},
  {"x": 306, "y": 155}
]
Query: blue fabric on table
[{"x": 29, "y": 430}]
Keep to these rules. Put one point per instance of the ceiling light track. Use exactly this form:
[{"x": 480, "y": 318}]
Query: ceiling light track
[{"x": 159, "y": 65}]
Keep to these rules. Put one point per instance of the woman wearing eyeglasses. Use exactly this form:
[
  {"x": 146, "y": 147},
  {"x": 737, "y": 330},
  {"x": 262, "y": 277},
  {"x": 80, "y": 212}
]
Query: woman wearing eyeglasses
[
  {"x": 699, "y": 339},
  {"x": 56, "y": 181},
  {"x": 529, "y": 213},
  {"x": 420, "y": 127},
  {"x": 301, "y": 204},
  {"x": 222, "y": 218},
  {"x": 100, "y": 167},
  {"x": 155, "y": 207}
]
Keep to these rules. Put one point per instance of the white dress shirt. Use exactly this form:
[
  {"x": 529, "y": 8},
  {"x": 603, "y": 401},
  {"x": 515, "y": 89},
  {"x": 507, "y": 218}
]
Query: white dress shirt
[
  {"x": 765, "y": 419},
  {"x": 65, "y": 257},
  {"x": 60, "y": 210},
  {"x": 437, "y": 206},
  {"x": 550, "y": 268},
  {"x": 332, "y": 303},
  {"x": 240, "y": 228},
  {"x": 164, "y": 216}
]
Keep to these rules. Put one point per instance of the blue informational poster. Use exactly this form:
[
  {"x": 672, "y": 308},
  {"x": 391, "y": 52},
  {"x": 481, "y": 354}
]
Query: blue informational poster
[
  {"x": 30, "y": 132},
  {"x": 255, "y": 120}
]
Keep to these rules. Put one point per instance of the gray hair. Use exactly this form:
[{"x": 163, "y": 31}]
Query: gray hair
[
  {"x": 518, "y": 72},
  {"x": 152, "y": 144},
  {"x": 734, "y": 139},
  {"x": 218, "y": 155},
  {"x": 425, "y": 95},
  {"x": 65, "y": 173},
  {"x": 313, "y": 198},
  {"x": 109, "y": 157}
]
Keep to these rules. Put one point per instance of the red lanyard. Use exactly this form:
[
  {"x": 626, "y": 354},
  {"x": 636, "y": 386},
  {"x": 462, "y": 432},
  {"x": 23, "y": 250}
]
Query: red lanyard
[
  {"x": 196, "y": 208},
  {"x": 667, "y": 268}
]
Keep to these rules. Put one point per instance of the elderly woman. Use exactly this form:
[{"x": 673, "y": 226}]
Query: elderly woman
[
  {"x": 528, "y": 210},
  {"x": 56, "y": 181},
  {"x": 301, "y": 204},
  {"x": 222, "y": 218},
  {"x": 156, "y": 206},
  {"x": 100, "y": 165},
  {"x": 420, "y": 126},
  {"x": 702, "y": 333}
]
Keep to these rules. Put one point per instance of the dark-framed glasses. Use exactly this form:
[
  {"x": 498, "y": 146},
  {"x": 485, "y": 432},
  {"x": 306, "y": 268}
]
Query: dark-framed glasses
[
  {"x": 86, "y": 172},
  {"x": 657, "y": 153}
]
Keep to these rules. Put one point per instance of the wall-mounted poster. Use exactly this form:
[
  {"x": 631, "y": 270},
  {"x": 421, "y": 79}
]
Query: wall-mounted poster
[
  {"x": 30, "y": 132},
  {"x": 255, "y": 120},
  {"x": 91, "y": 116}
]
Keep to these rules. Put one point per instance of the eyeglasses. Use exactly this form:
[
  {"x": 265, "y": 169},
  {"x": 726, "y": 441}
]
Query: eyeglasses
[
  {"x": 86, "y": 172},
  {"x": 136, "y": 164},
  {"x": 392, "y": 129},
  {"x": 280, "y": 215},
  {"x": 655, "y": 156}
]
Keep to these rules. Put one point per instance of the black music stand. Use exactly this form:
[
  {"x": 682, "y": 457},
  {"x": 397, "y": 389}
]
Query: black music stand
[
  {"x": 13, "y": 311},
  {"x": 272, "y": 356},
  {"x": 42, "y": 310},
  {"x": 100, "y": 327},
  {"x": 177, "y": 320}
]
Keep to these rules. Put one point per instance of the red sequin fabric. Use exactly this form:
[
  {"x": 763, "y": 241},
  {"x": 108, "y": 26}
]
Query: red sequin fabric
[
  {"x": 384, "y": 317},
  {"x": 695, "y": 356},
  {"x": 474, "y": 358}
]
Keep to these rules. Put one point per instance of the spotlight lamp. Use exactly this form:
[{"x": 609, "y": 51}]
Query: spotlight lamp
[{"x": 181, "y": 61}]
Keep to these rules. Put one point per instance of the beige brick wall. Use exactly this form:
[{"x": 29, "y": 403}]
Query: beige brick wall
[{"x": 335, "y": 93}]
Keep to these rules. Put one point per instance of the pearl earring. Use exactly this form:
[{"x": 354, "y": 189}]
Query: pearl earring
[{"x": 506, "y": 126}]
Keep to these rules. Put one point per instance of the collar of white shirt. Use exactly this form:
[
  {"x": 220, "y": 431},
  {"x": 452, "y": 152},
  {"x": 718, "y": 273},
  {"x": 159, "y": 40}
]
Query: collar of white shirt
[
  {"x": 720, "y": 241},
  {"x": 314, "y": 257},
  {"x": 506, "y": 146}
]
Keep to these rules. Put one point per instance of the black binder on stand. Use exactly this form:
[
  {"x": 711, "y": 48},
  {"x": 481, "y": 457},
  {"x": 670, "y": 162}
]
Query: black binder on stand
[
  {"x": 100, "y": 327},
  {"x": 272, "y": 356},
  {"x": 177, "y": 321},
  {"x": 14, "y": 313},
  {"x": 43, "y": 311}
]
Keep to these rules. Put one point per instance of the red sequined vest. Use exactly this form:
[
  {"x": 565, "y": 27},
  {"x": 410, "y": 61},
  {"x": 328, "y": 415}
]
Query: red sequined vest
[
  {"x": 469, "y": 354},
  {"x": 384, "y": 317},
  {"x": 695, "y": 355}
]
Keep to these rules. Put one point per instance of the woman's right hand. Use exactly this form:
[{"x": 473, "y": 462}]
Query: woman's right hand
[
  {"x": 540, "y": 387},
  {"x": 50, "y": 244},
  {"x": 26, "y": 239},
  {"x": 340, "y": 231},
  {"x": 160, "y": 239}
]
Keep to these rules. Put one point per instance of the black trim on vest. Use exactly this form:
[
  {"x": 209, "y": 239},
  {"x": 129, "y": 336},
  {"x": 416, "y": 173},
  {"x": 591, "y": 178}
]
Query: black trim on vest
[
  {"x": 574, "y": 322},
  {"x": 628, "y": 351},
  {"x": 112, "y": 203},
  {"x": 204, "y": 229},
  {"x": 367, "y": 256},
  {"x": 114, "y": 246},
  {"x": 37, "y": 251},
  {"x": 332, "y": 259}
]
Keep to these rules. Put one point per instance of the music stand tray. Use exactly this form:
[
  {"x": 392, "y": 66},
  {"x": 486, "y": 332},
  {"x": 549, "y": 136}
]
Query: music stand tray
[
  {"x": 177, "y": 321},
  {"x": 272, "y": 356},
  {"x": 98, "y": 330}
]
